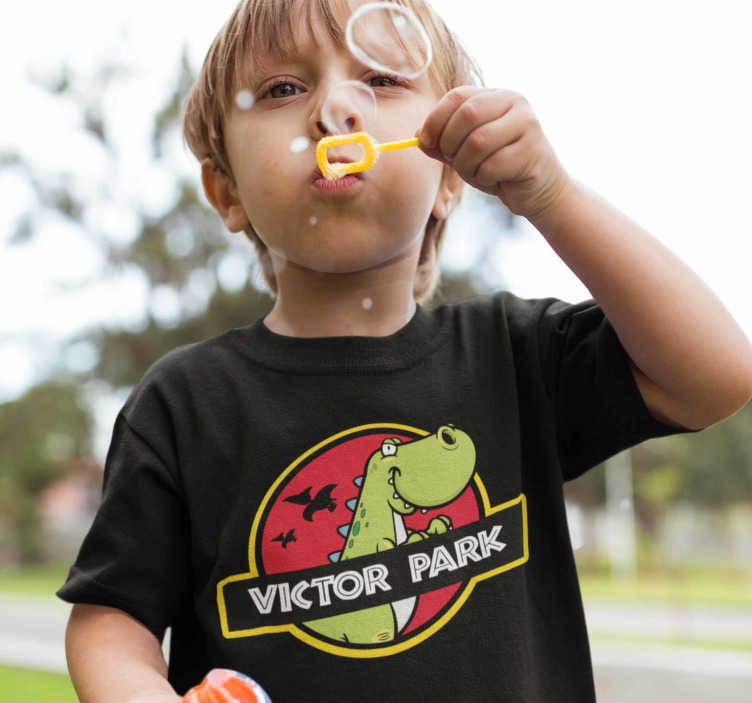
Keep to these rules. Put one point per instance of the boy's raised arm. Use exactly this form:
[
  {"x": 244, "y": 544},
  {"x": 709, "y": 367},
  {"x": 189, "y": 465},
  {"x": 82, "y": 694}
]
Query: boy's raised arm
[
  {"x": 690, "y": 359},
  {"x": 112, "y": 657}
]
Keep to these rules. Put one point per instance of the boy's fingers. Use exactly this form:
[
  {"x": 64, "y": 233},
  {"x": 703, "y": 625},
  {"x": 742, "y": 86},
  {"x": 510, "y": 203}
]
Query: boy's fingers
[
  {"x": 478, "y": 110},
  {"x": 507, "y": 164},
  {"x": 432, "y": 128},
  {"x": 486, "y": 141}
]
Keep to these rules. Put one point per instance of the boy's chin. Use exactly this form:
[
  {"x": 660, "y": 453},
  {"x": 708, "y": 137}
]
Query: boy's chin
[
  {"x": 345, "y": 251},
  {"x": 341, "y": 264}
]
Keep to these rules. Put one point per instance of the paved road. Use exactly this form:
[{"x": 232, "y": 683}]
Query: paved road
[
  {"x": 32, "y": 634},
  {"x": 631, "y": 685}
]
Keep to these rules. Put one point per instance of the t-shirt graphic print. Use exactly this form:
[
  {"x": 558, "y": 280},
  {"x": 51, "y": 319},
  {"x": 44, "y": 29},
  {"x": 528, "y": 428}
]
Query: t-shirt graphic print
[{"x": 370, "y": 541}]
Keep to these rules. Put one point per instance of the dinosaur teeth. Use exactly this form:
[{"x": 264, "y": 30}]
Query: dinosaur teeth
[
  {"x": 397, "y": 496},
  {"x": 391, "y": 480},
  {"x": 424, "y": 510}
]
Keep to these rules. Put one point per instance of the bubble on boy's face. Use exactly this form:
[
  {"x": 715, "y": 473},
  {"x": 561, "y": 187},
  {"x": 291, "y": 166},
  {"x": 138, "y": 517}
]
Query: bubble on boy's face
[
  {"x": 299, "y": 144},
  {"x": 367, "y": 303},
  {"x": 280, "y": 260},
  {"x": 388, "y": 37},
  {"x": 244, "y": 99},
  {"x": 349, "y": 107},
  {"x": 313, "y": 221}
]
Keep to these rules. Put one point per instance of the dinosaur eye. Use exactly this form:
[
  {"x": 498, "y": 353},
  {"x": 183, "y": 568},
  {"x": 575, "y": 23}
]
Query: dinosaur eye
[{"x": 388, "y": 449}]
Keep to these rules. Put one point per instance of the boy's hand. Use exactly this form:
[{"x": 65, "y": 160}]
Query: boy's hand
[{"x": 493, "y": 140}]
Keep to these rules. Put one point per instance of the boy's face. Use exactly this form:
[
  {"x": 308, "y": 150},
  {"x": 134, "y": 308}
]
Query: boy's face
[{"x": 375, "y": 221}]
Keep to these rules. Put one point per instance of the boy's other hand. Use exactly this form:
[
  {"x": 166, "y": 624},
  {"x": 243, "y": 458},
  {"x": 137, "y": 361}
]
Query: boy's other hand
[{"x": 494, "y": 141}]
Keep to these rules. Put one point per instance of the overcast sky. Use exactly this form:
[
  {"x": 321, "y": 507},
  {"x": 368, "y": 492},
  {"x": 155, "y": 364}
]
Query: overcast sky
[{"x": 646, "y": 102}]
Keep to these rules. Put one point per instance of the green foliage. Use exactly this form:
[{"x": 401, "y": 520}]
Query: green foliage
[
  {"x": 27, "y": 686},
  {"x": 710, "y": 469},
  {"x": 125, "y": 356},
  {"x": 43, "y": 433},
  {"x": 662, "y": 483}
]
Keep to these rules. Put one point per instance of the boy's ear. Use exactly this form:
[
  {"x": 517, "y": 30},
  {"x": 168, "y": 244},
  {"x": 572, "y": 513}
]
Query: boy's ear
[
  {"x": 223, "y": 195},
  {"x": 448, "y": 196}
]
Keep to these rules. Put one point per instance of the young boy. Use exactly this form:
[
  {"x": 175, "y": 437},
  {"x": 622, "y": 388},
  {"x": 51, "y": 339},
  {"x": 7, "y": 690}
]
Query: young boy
[{"x": 354, "y": 498}]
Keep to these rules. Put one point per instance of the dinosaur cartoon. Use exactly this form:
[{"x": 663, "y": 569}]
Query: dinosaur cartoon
[{"x": 399, "y": 478}]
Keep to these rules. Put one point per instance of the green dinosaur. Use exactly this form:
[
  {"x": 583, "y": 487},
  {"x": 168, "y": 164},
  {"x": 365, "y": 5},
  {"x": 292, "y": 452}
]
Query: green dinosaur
[{"x": 399, "y": 479}]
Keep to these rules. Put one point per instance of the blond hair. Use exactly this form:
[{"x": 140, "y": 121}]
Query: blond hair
[{"x": 267, "y": 26}]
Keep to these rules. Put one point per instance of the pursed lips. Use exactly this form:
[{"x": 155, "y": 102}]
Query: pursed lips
[{"x": 336, "y": 160}]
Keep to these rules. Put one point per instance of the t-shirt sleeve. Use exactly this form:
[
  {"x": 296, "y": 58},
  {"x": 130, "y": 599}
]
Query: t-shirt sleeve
[
  {"x": 134, "y": 556},
  {"x": 598, "y": 407}
]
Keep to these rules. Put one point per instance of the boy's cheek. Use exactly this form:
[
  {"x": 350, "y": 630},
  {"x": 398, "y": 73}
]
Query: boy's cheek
[{"x": 267, "y": 178}]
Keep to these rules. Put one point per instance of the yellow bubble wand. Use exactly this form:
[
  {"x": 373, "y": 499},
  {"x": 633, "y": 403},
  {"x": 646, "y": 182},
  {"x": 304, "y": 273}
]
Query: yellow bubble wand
[{"x": 371, "y": 150}]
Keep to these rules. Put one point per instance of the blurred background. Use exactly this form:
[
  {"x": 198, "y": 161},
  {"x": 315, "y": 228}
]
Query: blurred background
[{"x": 110, "y": 255}]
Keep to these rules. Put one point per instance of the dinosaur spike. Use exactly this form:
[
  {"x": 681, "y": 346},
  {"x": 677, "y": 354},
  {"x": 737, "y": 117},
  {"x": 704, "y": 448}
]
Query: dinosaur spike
[
  {"x": 334, "y": 556},
  {"x": 358, "y": 480},
  {"x": 344, "y": 529},
  {"x": 352, "y": 503}
]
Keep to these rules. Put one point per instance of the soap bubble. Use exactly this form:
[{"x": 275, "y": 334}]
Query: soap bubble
[
  {"x": 244, "y": 99},
  {"x": 314, "y": 220},
  {"x": 389, "y": 37},
  {"x": 279, "y": 259},
  {"x": 367, "y": 303},
  {"x": 299, "y": 144},
  {"x": 349, "y": 107}
]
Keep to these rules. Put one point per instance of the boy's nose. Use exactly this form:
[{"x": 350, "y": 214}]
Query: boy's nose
[
  {"x": 339, "y": 114},
  {"x": 350, "y": 123}
]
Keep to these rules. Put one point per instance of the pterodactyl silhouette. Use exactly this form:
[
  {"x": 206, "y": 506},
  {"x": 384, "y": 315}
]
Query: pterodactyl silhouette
[
  {"x": 322, "y": 501},
  {"x": 285, "y": 538}
]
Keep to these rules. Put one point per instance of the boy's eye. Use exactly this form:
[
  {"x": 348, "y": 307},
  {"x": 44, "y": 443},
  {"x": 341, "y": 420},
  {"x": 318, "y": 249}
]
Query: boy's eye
[
  {"x": 392, "y": 82},
  {"x": 282, "y": 90},
  {"x": 285, "y": 89}
]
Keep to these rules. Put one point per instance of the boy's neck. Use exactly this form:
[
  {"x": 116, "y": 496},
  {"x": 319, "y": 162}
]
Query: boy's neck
[{"x": 375, "y": 303}]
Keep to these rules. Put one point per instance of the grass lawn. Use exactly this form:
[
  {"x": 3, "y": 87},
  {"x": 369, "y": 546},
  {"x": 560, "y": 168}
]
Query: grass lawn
[
  {"x": 702, "y": 643},
  {"x": 41, "y": 580},
  {"x": 28, "y": 686},
  {"x": 702, "y": 587}
]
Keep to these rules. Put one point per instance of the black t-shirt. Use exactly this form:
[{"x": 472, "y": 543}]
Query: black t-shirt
[{"x": 368, "y": 518}]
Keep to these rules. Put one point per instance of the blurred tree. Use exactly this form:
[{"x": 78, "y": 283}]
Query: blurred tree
[
  {"x": 712, "y": 470},
  {"x": 43, "y": 433}
]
